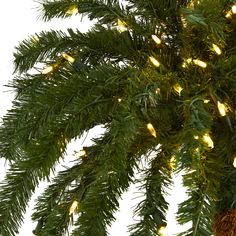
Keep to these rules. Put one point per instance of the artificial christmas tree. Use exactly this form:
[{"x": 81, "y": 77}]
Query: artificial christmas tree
[{"x": 160, "y": 76}]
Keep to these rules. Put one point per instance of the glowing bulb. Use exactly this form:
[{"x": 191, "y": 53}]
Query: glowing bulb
[
  {"x": 216, "y": 49},
  {"x": 47, "y": 70},
  {"x": 173, "y": 162},
  {"x": 68, "y": 57},
  {"x": 189, "y": 60},
  {"x": 81, "y": 153},
  {"x": 121, "y": 26},
  {"x": 229, "y": 14},
  {"x": 178, "y": 88},
  {"x": 35, "y": 38},
  {"x": 234, "y": 164},
  {"x": 207, "y": 139},
  {"x": 206, "y": 100},
  {"x": 222, "y": 108},
  {"x": 200, "y": 63},
  {"x": 233, "y": 9},
  {"x": 196, "y": 137},
  {"x": 158, "y": 91},
  {"x": 119, "y": 99},
  {"x": 154, "y": 61},
  {"x": 151, "y": 130},
  {"x": 72, "y": 10},
  {"x": 163, "y": 231},
  {"x": 73, "y": 207},
  {"x": 156, "y": 39},
  {"x": 184, "y": 21}
]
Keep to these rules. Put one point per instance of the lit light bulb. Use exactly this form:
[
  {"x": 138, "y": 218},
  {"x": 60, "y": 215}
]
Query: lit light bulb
[
  {"x": 119, "y": 99},
  {"x": 81, "y": 153},
  {"x": 216, "y": 49},
  {"x": 233, "y": 9},
  {"x": 154, "y": 61},
  {"x": 163, "y": 231},
  {"x": 222, "y": 108},
  {"x": 200, "y": 63},
  {"x": 184, "y": 21},
  {"x": 178, "y": 88},
  {"x": 156, "y": 39},
  {"x": 187, "y": 61},
  {"x": 206, "y": 100},
  {"x": 121, "y": 26},
  {"x": 173, "y": 162},
  {"x": 151, "y": 130},
  {"x": 196, "y": 137},
  {"x": 158, "y": 91},
  {"x": 73, "y": 207},
  {"x": 234, "y": 164},
  {"x": 47, "y": 70},
  {"x": 35, "y": 38},
  {"x": 68, "y": 58},
  {"x": 207, "y": 139},
  {"x": 72, "y": 10},
  {"x": 228, "y": 14}
]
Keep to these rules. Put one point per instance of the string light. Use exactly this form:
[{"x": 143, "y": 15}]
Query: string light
[
  {"x": 47, "y": 70},
  {"x": 68, "y": 58},
  {"x": 216, "y": 49},
  {"x": 178, "y": 88},
  {"x": 207, "y": 139},
  {"x": 156, "y": 39},
  {"x": 81, "y": 153},
  {"x": 154, "y": 61},
  {"x": 163, "y": 231},
  {"x": 206, "y": 100},
  {"x": 73, "y": 207},
  {"x": 151, "y": 130},
  {"x": 119, "y": 99},
  {"x": 121, "y": 26},
  {"x": 222, "y": 108},
  {"x": 200, "y": 63},
  {"x": 72, "y": 10},
  {"x": 234, "y": 163}
]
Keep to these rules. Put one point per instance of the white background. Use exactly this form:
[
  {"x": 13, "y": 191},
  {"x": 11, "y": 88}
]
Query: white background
[{"x": 18, "y": 20}]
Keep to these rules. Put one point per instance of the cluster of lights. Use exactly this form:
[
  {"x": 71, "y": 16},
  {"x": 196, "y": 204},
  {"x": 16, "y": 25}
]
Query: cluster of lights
[
  {"x": 151, "y": 130},
  {"x": 231, "y": 12},
  {"x": 73, "y": 207},
  {"x": 195, "y": 61},
  {"x": 206, "y": 139}
]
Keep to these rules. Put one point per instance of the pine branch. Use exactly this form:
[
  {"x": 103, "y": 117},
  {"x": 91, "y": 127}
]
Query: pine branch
[
  {"x": 104, "y": 11},
  {"x": 152, "y": 209},
  {"x": 113, "y": 178}
]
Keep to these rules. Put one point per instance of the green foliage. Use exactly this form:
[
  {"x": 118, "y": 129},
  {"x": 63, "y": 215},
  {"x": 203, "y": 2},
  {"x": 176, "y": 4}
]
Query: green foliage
[{"x": 112, "y": 82}]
